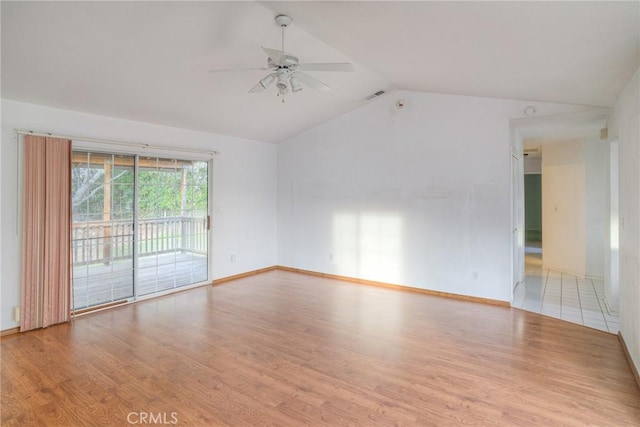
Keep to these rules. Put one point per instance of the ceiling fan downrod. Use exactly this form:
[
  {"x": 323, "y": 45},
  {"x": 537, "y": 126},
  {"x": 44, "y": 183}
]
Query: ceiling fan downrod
[{"x": 283, "y": 21}]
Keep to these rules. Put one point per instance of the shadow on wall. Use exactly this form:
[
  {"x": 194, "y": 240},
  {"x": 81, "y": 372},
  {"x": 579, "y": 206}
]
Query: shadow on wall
[{"x": 368, "y": 246}]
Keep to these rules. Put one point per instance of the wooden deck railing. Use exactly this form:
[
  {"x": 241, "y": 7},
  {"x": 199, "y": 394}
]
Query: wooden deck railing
[{"x": 103, "y": 241}]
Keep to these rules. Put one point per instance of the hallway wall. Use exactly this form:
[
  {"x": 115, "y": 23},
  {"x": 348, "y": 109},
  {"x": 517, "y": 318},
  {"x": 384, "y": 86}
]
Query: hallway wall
[
  {"x": 574, "y": 206},
  {"x": 624, "y": 125},
  {"x": 533, "y": 207}
]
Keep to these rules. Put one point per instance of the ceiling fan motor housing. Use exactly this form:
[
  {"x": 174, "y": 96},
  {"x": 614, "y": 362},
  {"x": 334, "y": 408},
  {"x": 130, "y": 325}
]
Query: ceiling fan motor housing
[{"x": 290, "y": 62}]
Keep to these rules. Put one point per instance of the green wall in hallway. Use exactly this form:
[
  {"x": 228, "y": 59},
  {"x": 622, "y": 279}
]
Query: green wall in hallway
[{"x": 533, "y": 207}]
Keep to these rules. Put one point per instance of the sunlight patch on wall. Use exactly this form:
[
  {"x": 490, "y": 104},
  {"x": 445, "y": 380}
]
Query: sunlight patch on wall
[{"x": 368, "y": 246}]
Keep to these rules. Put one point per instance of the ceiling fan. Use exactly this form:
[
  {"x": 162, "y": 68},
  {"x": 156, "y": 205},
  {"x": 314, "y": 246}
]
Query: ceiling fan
[{"x": 287, "y": 71}]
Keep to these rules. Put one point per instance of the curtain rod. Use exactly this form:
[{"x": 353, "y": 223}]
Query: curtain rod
[{"x": 127, "y": 144}]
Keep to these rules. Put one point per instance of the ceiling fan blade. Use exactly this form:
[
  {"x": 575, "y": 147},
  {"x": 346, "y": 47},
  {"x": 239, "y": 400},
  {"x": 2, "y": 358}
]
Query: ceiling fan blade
[
  {"x": 257, "y": 88},
  {"x": 277, "y": 56},
  {"x": 264, "y": 83},
  {"x": 311, "y": 81},
  {"x": 225, "y": 70},
  {"x": 344, "y": 66}
]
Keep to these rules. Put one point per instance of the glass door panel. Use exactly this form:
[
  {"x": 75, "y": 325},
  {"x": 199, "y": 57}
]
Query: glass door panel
[
  {"x": 102, "y": 228},
  {"x": 172, "y": 222},
  {"x": 196, "y": 226}
]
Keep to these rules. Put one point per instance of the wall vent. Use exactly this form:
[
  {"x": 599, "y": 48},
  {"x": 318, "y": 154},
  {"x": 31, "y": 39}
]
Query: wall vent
[{"x": 375, "y": 95}]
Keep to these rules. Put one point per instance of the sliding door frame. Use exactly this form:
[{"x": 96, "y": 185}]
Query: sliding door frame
[
  {"x": 105, "y": 148},
  {"x": 134, "y": 251}
]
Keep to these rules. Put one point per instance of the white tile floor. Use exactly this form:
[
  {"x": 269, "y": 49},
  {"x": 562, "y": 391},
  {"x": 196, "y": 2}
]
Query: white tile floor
[{"x": 564, "y": 296}]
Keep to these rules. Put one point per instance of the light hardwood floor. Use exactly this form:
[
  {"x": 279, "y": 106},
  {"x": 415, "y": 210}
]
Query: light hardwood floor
[{"x": 288, "y": 349}]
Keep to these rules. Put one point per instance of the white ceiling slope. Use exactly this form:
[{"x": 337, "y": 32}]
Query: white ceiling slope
[
  {"x": 150, "y": 61},
  {"x": 553, "y": 51}
]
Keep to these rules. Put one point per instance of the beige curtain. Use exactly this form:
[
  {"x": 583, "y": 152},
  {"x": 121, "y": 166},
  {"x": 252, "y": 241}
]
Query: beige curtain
[{"x": 46, "y": 232}]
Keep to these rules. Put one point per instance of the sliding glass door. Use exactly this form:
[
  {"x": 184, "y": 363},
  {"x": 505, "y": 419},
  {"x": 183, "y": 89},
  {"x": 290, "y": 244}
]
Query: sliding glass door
[
  {"x": 172, "y": 212},
  {"x": 102, "y": 238},
  {"x": 140, "y": 226}
]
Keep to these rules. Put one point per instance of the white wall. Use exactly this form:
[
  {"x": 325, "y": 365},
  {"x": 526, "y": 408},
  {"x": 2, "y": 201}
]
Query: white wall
[
  {"x": 244, "y": 190},
  {"x": 563, "y": 203},
  {"x": 596, "y": 206},
  {"x": 612, "y": 239},
  {"x": 418, "y": 196},
  {"x": 574, "y": 206},
  {"x": 624, "y": 125},
  {"x": 533, "y": 164}
]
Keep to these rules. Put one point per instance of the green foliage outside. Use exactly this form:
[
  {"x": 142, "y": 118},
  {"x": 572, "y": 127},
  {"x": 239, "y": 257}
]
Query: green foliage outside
[{"x": 160, "y": 191}]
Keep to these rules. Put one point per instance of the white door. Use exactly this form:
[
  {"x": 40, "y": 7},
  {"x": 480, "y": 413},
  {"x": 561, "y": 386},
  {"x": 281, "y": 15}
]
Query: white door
[{"x": 517, "y": 183}]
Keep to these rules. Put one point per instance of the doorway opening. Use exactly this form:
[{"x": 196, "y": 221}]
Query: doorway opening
[{"x": 564, "y": 223}]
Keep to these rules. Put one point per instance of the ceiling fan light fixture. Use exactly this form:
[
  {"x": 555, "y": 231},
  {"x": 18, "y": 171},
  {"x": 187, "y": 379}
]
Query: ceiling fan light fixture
[
  {"x": 267, "y": 80},
  {"x": 282, "y": 83},
  {"x": 295, "y": 84}
]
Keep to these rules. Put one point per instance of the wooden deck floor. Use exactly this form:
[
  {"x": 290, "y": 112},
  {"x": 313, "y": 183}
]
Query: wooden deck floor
[
  {"x": 96, "y": 284},
  {"x": 282, "y": 348}
]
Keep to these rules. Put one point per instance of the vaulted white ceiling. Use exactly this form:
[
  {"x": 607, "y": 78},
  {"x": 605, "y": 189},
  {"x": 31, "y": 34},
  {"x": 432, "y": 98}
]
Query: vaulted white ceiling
[{"x": 150, "y": 61}]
